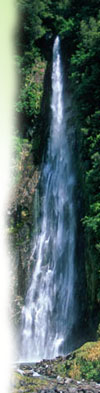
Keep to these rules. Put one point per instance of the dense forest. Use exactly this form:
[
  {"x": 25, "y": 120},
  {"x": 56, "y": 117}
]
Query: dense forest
[{"x": 78, "y": 25}]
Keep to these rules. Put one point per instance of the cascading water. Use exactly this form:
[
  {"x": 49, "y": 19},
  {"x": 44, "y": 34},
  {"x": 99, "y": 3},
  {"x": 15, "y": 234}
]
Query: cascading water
[{"x": 48, "y": 315}]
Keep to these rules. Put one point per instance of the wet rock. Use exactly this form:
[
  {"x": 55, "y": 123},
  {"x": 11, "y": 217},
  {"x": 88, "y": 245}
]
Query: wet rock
[
  {"x": 42, "y": 378},
  {"x": 42, "y": 391},
  {"x": 72, "y": 390},
  {"x": 68, "y": 380},
  {"x": 60, "y": 379},
  {"x": 28, "y": 373}
]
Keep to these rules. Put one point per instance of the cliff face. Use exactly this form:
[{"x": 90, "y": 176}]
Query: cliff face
[
  {"x": 27, "y": 160},
  {"x": 79, "y": 29},
  {"x": 82, "y": 66},
  {"x": 21, "y": 221},
  {"x": 22, "y": 207}
]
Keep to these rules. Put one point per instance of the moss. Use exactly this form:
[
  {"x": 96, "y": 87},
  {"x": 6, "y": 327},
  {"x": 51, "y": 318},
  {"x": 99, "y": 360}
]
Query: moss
[
  {"x": 30, "y": 384},
  {"x": 86, "y": 362},
  {"x": 59, "y": 368},
  {"x": 82, "y": 363}
]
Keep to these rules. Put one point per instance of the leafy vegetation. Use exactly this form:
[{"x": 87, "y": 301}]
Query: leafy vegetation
[
  {"x": 84, "y": 73},
  {"x": 85, "y": 362}
]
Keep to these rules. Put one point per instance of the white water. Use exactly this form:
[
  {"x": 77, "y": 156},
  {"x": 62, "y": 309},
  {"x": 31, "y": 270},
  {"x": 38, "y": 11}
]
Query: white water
[{"x": 48, "y": 314}]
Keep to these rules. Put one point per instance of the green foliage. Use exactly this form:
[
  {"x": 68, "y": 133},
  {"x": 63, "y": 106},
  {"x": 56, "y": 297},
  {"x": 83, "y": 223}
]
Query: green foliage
[
  {"x": 85, "y": 362},
  {"x": 31, "y": 93},
  {"x": 30, "y": 22},
  {"x": 66, "y": 27},
  {"x": 98, "y": 332},
  {"x": 18, "y": 142},
  {"x": 17, "y": 146},
  {"x": 90, "y": 370},
  {"x": 84, "y": 75},
  {"x": 31, "y": 90}
]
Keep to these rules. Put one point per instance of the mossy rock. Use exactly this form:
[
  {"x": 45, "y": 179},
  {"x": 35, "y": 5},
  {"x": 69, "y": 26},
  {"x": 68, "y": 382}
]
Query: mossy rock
[
  {"x": 24, "y": 384},
  {"x": 85, "y": 362}
]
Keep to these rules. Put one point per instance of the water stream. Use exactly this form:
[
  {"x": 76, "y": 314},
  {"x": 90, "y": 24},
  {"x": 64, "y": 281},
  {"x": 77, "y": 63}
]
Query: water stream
[{"x": 49, "y": 312}]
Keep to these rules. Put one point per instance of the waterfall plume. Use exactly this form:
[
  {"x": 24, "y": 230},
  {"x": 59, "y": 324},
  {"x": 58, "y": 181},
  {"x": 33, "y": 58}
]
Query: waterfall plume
[{"x": 48, "y": 315}]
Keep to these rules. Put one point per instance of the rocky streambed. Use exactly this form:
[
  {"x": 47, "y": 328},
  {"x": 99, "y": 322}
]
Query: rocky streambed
[{"x": 49, "y": 376}]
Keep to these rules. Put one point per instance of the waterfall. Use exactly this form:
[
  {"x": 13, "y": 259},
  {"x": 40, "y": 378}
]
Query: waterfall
[{"x": 49, "y": 312}]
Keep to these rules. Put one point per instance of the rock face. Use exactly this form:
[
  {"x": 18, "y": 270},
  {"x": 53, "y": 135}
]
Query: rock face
[
  {"x": 42, "y": 378},
  {"x": 21, "y": 224},
  {"x": 26, "y": 168}
]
